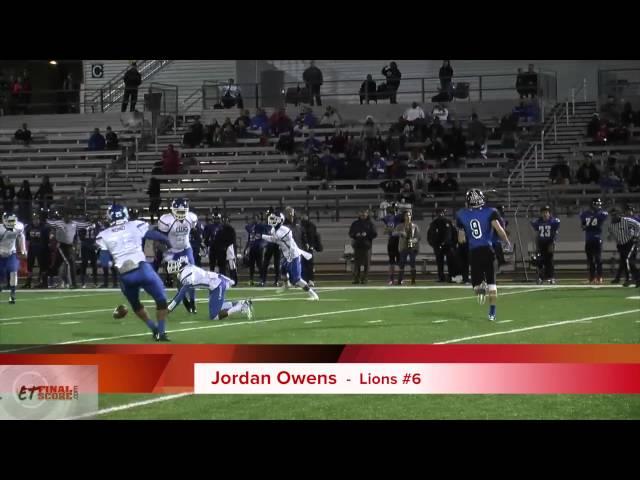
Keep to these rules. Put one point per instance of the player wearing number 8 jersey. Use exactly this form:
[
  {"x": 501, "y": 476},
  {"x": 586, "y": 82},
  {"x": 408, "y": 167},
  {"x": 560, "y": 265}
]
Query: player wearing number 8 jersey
[
  {"x": 476, "y": 224},
  {"x": 592, "y": 221}
]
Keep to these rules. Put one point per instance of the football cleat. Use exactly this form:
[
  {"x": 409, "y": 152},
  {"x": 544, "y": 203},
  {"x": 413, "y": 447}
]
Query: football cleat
[
  {"x": 313, "y": 295},
  {"x": 12, "y": 301},
  {"x": 161, "y": 337},
  {"x": 247, "y": 308},
  {"x": 492, "y": 318}
]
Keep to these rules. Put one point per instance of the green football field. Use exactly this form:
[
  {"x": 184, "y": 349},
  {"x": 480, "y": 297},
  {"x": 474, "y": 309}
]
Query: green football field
[{"x": 371, "y": 314}]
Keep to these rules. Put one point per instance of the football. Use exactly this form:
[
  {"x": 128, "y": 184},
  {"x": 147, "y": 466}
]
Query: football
[{"x": 120, "y": 311}]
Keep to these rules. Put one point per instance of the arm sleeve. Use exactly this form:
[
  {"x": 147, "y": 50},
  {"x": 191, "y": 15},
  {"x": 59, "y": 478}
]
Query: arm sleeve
[
  {"x": 21, "y": 241},
  {"x": 163, "y": 227},
  {"x": 156, "y": 235},
  {"x": 179, "y": 296}
]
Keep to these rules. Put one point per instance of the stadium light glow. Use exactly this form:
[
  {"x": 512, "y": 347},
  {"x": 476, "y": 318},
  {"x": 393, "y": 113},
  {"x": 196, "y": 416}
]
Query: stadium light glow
[{"x": 53, "y": 62}]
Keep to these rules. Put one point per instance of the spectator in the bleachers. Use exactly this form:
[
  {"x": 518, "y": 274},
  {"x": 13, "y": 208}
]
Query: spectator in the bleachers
[
  {"x": 602, "y": 135},
  {"x": 329, "y": 163},
  {"x": 312, "y": 78},
  {"x": 231, "y": 95},
  {"x": 96, "y": 141},
  {"x": 194, "y": 136},
  {"x": 435, "y": 184},
  {"x": 593, "y": 126},
  {"x": 312, "y": 145},
  {"x": 440, "y": 112},
  {"x": 393, "y": 76},
  {"x": 612, "y": 180},
  {"x": 68, "y": 95},
  {"x": 370, "y": 129},
  {"x": 436, "y": 130},
  {"x": 435, "y": 149},
  {"x": 112, "y": 139},
  {"x": 450, "y": 184},
  {"x": 331, "y": 118},
  {"x": 7, "y": 195},
  {"x": 378, "y": 166},
  {"x": 391, "y": 187},
  {"x": 244, "y": 118},
  {"x": 560, "y": 174},
  {"x": 280, "y": 122},
  {"x": 154, "y": 197},
  {"x": 446, "y": 76},
  {"x": 407, "y": 195},
  {"x": 455, "y": 141},
  {"x": 132, "y": 80},
  {"x": 631, "y": 174},
  {"x": 627, "y": 117},
  {"x": 520, "y": 84},
  {"x": 308, "y": 118},
  {"x": 171, "y": 161},
  {"x": 416, "y": 159},
  {"x": 286, "y": 143},
  {"x": 414, "y": 113},
  {"x": 23, "y": 135},
  {"x": 25, "y": 198},
  {"x": 451, "y": 162},
  {"x": 477, "y": 135},
  {"x": 229, "y": 136},
  {"x": 531, "y": 82},
  {"x": 260, "y": 122},
  {"x": 588, "y": 172},
  {"x": 213, "y": 134},
  {"x": 15, "y": 89},
  {"x": 44, "y": 194},
  {"x": 339, "y": 142},
  {"x": 368, "y": 90}
]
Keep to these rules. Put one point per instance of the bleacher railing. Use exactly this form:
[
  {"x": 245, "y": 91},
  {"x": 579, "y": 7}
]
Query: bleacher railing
[
  {"x": 113, "y": 91},
  {"x": 420, "y": 89}
]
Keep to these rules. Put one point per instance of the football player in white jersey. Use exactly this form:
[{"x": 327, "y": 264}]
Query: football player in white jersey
[
  {"x": 177, "y": 226},
  {"x": 281, "y": 235},
  {"x": 11, "y": 233},
  {"x": 123, "y": 240},
  {"x": 190, "y": 276}
]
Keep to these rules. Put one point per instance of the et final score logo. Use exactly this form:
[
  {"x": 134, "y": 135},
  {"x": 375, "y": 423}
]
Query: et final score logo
[{"x": 47, "y": 392}]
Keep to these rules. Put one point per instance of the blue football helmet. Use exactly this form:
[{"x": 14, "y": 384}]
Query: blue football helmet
[
  {"x": 117, "y": 214},
  {"x": 180, "y": 208},
  {"x": 475, "y": 198}
]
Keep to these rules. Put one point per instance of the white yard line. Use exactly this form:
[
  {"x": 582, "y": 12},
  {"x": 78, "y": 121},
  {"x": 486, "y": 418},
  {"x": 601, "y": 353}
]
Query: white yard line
[
  {"x": 505, "y": 321},
  {"x": 313, "y": 321},
  {"x": 374, "y": 321},
  {"x": 537, "y": 327},
  {"x": 440, "y": 321},
  {"x": 68, "y": 323},
  {"x": 279, "y": 319},
  {"x": 10, "y": 323},
  {"x": 127, "y": 406}
]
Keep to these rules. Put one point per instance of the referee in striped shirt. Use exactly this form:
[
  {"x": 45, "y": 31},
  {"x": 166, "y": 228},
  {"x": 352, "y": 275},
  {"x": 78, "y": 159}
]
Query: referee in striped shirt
[
  {"x": 626, "y": 232},
  {"x": 66, "y": 231}
]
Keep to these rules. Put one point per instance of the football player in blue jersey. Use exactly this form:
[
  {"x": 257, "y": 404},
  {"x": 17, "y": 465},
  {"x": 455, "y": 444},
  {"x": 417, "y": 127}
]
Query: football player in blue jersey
[
  {"x": 546, "y": 228},
  {"x": 591, "y": 221},
  {"x": 476, "y": 224}
]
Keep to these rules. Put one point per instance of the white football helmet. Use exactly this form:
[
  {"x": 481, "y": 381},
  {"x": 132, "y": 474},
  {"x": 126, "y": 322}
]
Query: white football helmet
[
  {"x": 275, "y": 219},
  {"x": 9, "y": 220},
  {"x": 180, "y": 208},
  {"x": 176, "y": 266}
]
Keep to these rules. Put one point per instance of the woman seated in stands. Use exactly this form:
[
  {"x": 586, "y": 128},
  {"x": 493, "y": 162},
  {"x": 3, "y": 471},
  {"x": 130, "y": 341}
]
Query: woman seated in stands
[
  {"x": 171, "y": 161},
  {"x": 331, "y": 118},
  {"x": 416, "y": 159}
]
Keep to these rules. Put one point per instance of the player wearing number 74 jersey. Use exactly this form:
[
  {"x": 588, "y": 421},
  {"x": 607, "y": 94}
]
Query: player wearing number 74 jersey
[
  {"x": 591, "y": 221},
  {"x": 475, "y": 224}
]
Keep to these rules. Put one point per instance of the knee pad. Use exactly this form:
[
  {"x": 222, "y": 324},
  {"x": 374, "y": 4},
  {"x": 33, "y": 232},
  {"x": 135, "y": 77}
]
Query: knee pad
[
  {"x": 13, "y": 279},
  {"x": 161, "y": 304}
]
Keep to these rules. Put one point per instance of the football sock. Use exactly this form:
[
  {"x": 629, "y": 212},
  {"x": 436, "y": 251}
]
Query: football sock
[
  {"x": 161, "y": 326},
  {"x": 151, "y": 324},
  {"x": 492, "y": 310}
]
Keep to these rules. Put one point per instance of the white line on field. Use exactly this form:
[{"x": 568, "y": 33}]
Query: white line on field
[
  {"x": 440, "y": 321},
  {"x": 68, "y": 323},
  {"x": 66, "y": 314},
  {"x": 191, "y": 321},
  {"x": 278, "y": 319},
  {"x": 536, "y": 327},
  {"x": 633, "y": 298},
  {"x": 374, "y": 321},
  {"x": 127, "y": 406},
  {"x": 11, "y": 323},
  {"x": 505, "y": 321},
  {"x": 314, "y": 321}
]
